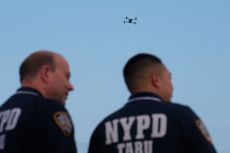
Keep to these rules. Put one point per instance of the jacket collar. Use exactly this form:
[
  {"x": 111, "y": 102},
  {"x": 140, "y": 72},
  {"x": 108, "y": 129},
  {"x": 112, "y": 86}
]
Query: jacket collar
[
  {"x": 145, "y": 96},
  {"x": 29, "y": 91}
]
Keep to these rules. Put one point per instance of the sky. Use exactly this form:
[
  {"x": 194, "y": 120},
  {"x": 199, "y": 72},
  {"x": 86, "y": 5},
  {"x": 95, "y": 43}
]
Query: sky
[{"x": 191, "y": 37}]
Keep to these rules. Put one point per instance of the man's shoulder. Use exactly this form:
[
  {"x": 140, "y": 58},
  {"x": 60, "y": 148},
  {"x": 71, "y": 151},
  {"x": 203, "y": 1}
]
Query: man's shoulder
[
  {"x": 178, "y": 107},
  {"x": 53, "y": 105},
  {"x": 182, "y": 111},
  {"x": 26, "y": 101}
]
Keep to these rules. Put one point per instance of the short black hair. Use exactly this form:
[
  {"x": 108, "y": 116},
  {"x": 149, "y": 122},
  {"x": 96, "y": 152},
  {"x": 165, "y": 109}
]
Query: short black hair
[
  {"x": 137, "y": 65},
  {"x": 33, "y": 63}
]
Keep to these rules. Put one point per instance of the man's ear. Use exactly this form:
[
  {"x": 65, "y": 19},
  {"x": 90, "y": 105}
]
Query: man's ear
[
  {"x": 45, "y": 74},
  {"x": 155, "y": 79}
]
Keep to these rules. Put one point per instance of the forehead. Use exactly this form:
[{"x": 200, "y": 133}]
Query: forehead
[{"x": 166, "y": 70}]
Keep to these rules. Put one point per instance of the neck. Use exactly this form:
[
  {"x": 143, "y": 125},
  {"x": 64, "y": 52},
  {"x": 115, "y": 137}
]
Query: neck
[{"x": 36, "y": 86}]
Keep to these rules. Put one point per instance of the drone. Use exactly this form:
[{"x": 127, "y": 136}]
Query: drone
[{"x": 130, "y": 20}]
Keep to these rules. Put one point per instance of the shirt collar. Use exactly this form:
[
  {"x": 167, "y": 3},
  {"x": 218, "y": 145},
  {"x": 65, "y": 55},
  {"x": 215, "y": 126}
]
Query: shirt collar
[
  {"x": 28, "y": 91},
  {"x": 145, "y": 96}
]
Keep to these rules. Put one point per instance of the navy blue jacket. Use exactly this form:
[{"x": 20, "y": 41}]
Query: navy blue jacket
[
  {"x": 146, "y": 124},
  {"x": 29, "y": 123}
]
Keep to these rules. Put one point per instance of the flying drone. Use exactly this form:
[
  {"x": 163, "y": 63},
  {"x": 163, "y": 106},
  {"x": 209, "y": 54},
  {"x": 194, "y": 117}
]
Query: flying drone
[{"x": 130, "y": 20}]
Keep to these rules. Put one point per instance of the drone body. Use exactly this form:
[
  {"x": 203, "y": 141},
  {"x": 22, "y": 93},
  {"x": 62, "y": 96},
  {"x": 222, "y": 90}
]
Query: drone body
[{"x": 130, "y": 20}]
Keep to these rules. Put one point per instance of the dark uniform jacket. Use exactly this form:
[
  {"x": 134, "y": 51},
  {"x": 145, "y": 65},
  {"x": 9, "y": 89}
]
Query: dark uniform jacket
[
  {"x": 29, "y": 123},
  {"x": 148, "y": 125}
]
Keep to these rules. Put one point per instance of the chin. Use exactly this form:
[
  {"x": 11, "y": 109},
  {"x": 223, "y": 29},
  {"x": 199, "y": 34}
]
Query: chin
[{"x": 62, "y": 102}]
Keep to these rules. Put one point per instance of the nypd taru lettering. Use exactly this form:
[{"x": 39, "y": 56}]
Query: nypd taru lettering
[
  {"x": 8, "y": 121},
  {"x": 156, "y": 123}
]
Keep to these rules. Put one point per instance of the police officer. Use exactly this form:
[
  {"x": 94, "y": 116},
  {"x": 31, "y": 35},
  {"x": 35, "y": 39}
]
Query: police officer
[
  {"x": 149, "y": 122},
  {"x": 34, "y": 119}
]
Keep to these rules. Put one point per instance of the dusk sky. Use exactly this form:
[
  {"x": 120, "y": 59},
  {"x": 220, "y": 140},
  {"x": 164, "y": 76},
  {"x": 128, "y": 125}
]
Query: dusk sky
[{"x": 191, "y": 37}]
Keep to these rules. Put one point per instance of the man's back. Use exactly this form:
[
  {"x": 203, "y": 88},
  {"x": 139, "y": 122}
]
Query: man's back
[
  {"x": 148, "y": 125},
  {"x": 27, "y": 124}
]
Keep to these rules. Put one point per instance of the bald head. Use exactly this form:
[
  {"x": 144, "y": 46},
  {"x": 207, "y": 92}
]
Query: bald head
[
  {"x": 49, "y": 73},
  {"x": 33, "y": 63}
]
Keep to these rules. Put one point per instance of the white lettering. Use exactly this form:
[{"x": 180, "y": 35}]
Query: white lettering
[
  {"x": 9, "y": 119},
  {"x": 143, "y": 123},
  {"x": 129, "y": 148},
  {"x": 148, "y": 146},
  {"x": 111, "y": 132},
  {"x": 136, "y": 147},
  {"x": 126, "y": 127},
  {"x": 4, "y": 118},
  {"x": 154, "y": 125},
  {"x": 120, "y": 147},
  {"x": 13, "y": 119},
  {"x": 159, "y": 125},
  {"x": 2, "y": 141}
]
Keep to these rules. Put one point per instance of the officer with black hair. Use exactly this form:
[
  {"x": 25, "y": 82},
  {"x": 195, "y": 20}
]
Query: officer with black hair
[{"x": 149, "y": 122}]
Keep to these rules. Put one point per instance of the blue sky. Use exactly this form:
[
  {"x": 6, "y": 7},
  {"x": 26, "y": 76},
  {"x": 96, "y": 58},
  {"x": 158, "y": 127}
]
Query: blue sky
[{"x": 191, "y": 37}]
